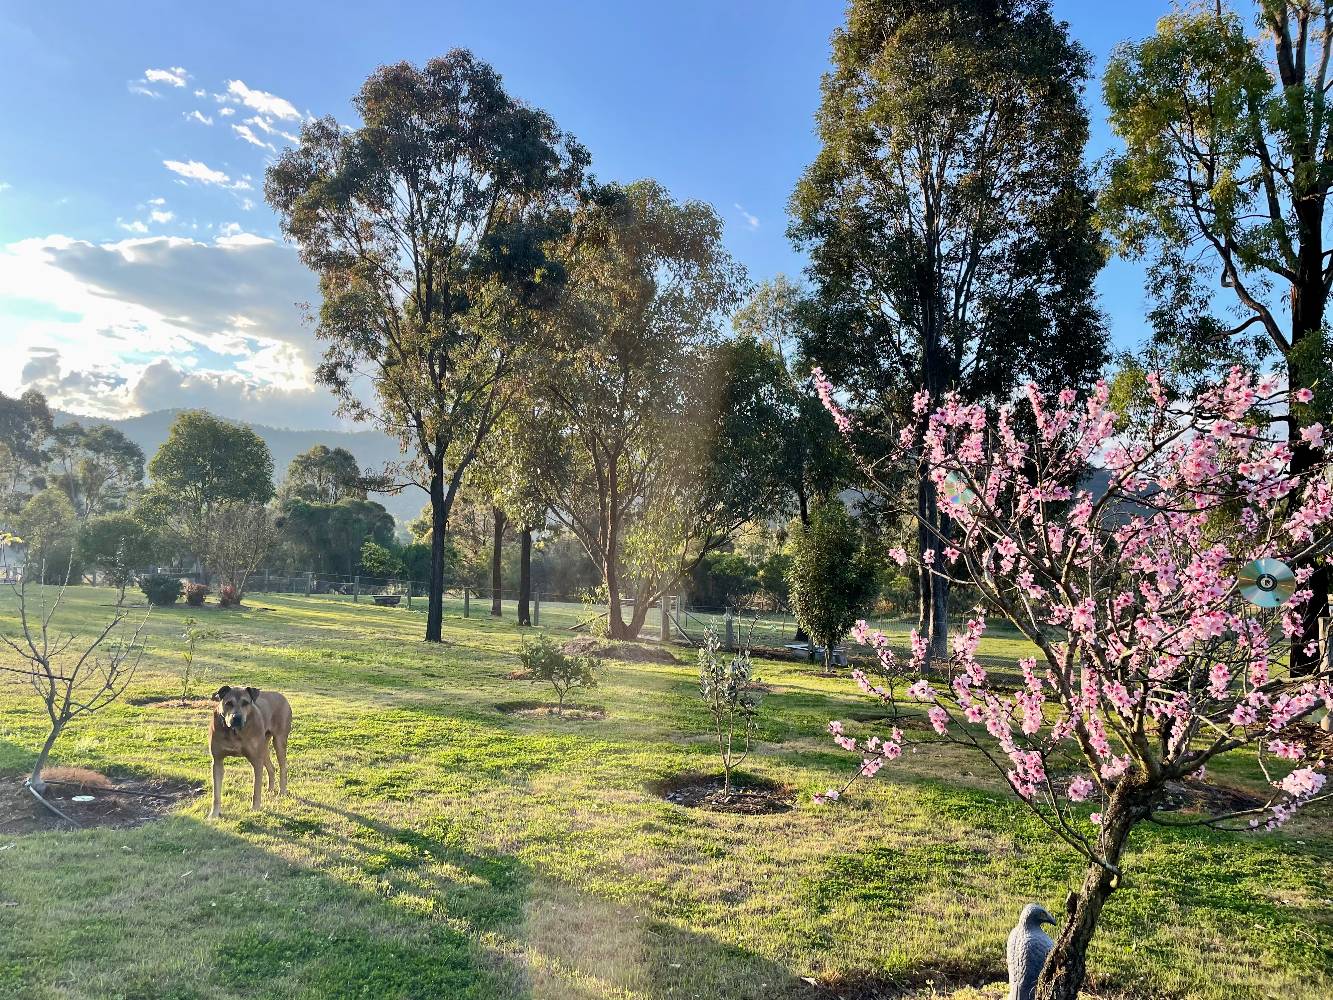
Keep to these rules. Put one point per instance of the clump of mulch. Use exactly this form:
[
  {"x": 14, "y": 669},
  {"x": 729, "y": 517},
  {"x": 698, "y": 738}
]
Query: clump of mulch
[
  {"x": 630, "y": 652},
  {"x": 550, "y": 710},
  {"x": 1193, "y": 795},
  {"x": 935, "y": 981},
  {"x": 519, "y": 675},
  {"x": 114, "y": 803},
  {"x": 750, "y": 795},
  {"x": 1317, "y": 743}
]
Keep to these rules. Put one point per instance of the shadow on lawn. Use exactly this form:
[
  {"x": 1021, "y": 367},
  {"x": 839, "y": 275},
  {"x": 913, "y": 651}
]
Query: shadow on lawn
[{"x": 566, "y": 943}]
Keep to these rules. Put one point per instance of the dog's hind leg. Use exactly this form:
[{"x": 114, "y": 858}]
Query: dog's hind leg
[
  {"x": 280, "y": 749},
  {"x": 268, "y": 766}
]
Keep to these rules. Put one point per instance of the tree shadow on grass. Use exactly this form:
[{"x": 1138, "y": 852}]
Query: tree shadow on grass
[{"x": 569, "y": 943}]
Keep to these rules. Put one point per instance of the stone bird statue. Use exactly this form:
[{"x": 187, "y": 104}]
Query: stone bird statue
[{"x": 1027, "y": 950}]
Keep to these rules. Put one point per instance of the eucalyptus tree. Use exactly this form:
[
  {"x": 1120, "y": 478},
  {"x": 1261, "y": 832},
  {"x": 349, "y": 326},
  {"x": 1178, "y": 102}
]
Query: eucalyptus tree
[
  {"x": 426, "y": 226},
  {"x": 636, "y": 395},
  {"x": 98, "y": 467},
  {"x": 948, "y": 218},
  {"x": 1223, "y": 188}
]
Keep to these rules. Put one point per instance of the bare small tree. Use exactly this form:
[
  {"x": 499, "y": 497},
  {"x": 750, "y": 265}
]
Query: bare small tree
[
  {"x": 233, "y": 539},
  {"x": 71, "y": 674}
]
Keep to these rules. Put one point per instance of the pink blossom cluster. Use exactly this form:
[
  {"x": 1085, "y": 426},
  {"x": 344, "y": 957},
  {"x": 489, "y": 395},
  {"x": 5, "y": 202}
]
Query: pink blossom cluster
[{"x": 1151, "y": 663}]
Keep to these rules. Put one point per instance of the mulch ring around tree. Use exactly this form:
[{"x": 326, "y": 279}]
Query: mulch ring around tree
[
  {"x": 629, "y": 652},
  {"x": 1193, "y": 795},
  {"x": 549, "y": 710},
  {"x": 88, "y": 798},
  {"x": 750, "y": 795},
  {"x": 1318, "y": 744}
]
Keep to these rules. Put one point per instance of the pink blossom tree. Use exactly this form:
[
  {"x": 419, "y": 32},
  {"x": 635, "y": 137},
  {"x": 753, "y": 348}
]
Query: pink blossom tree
[{"x": 1149, "y": 661}]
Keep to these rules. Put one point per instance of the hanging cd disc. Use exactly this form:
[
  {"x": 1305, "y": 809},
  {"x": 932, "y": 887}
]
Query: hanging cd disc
[
  {"x": 956, "y": 491},
  {"x": 1267, "y": 583}
]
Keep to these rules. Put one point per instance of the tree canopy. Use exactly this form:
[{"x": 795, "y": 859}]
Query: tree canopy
[{"x": 426, "y": 226}]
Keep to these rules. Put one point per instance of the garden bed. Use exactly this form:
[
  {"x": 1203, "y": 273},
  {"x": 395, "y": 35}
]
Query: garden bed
[
  {"x": 627, "y": 652},
  {"x": 547, "y": 710},
  {"x": 750, "y": 794},
  {"x": 113, "y": 803}
]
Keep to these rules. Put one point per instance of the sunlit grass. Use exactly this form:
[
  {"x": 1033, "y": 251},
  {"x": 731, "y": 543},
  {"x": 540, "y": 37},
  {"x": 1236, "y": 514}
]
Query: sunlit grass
[{"x": 435, "y": 847}]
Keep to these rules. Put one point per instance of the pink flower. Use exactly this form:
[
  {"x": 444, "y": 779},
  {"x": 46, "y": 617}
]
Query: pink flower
[
  {"x": 1080, "y": 788},
  {"x": 899, "y": 555},
  {"x": 921, "y": 691},
  {"x": 1095, "y": 819},
  {"x": 1313, "y": 435},
  {"x": 1304, "y": 395},
  {"x": 1302, "y": 783},
  {"x": 939, "y": 718}
]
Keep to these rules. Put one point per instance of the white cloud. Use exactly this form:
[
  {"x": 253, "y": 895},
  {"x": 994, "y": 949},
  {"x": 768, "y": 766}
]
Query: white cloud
[
  {"x": 750, "y": 220},
  {"x": 134, "y": 226},
  {"x": 160, "y": 216},
  {"x": 261, "y": 101},
  {"x": 157, "y": 201},
  {"x": 5, "y": 186},
  {"x": 174, "y": 77},
  {"x": 229, "y": 228},
  {"x": 198, "y": 116},
  {"x": 196, "y": 171},
  {"x": 226, "y": 112},
  {"x": 153, "y": 322},
  {"x": 267, "y": 126},
  {"x": 200, "y": 92},
  {"x": 246, "y": 133},
  {"x": 137, "y": 87}
]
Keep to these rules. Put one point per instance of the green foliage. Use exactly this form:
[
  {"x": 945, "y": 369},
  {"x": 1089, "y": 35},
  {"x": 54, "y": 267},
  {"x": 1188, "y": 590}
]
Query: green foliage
[
  {"x": 25, "y": 427},
  {"x": 727, "y": 689},
  {"x": 1226, "y": 168},
  {"x": 380, "y": 561},
  {"x": 834, "y": 575},
  {"x": 161, "y": 589},
  {"x": 206, "y": 461},
  {"x": 543, "y": 661},
  {"x": 324, "y": 475},
  {"x": 722, "y": 580},
  {"x": 431, "y": 296},
  {"x": 49, "y": 526},
  {"x": 119, "y": 543},
  {"x": 328, "y": 538},
  {"x": 974, "y": 269},
  {"x": 98, "y": 467}
]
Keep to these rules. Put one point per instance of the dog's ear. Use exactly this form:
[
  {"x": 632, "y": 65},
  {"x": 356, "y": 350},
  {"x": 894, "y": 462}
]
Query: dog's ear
[
  {"x": 253, "y": 692},
  {"x": 221, "y": 692}
]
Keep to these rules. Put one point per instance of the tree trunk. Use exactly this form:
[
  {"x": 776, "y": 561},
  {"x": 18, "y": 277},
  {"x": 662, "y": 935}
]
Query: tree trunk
[
  {"x": 35, "y": 779},
  {"x": 525, "y": 576},
  {"x": 438, "y": 517},
  {"x": 1066, "y": 966},
  {"x": 497, "y": 550},
  {"x": 1308, "y": 301}
]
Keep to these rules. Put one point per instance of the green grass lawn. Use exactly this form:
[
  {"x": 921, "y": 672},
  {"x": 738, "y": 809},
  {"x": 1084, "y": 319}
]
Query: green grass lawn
[{"x": 434, "y": 847}]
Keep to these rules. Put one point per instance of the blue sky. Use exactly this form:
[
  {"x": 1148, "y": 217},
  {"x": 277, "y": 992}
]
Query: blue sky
[{"x": 140, "y": 268}]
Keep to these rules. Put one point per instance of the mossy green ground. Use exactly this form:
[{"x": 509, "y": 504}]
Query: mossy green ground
[{"x": 434, "y": 847}]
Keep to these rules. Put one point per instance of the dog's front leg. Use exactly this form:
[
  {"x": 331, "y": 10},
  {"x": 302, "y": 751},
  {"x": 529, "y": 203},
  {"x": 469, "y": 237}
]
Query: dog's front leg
[
  {"x": 258, "y": 765},
  {"x": 216, "y": 811}
]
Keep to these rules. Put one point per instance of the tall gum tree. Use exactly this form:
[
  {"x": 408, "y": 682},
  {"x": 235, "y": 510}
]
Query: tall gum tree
[
  {"x": 638, "y": 394},
  {"x": 1224, "y": 181},
  {"x": 948, "y": 218},
  {"x": 427, "y": 226}
]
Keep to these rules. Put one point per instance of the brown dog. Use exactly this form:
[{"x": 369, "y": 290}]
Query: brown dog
[{"x": 244, "y": 722}]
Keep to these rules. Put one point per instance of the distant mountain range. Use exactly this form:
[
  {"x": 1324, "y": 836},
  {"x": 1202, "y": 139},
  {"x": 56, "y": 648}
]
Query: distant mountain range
[{"x": 371, "y": 448}]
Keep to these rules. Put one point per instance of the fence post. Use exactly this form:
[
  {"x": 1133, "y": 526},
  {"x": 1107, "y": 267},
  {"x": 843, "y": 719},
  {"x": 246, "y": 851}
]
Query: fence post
[
  {"x": 266, "y": 588},
  {"x": 356, "y": 588},
  {"x": 664, "y": 603},
  {"x": 731, "y": 631},
  {"x": 309, "y": 582},
  {"x": 467, "y": 603},
  {"x": 410, "y": 588},
  {"x": 536, "y": 607}
]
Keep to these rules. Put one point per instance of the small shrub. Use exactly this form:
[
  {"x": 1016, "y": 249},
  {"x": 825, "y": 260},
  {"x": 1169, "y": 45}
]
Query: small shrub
[
  {"x": 726, "y": 690},
  {"x": 228, "y": 596},
  {"x": 195, "y": 594},
  {"x": 193, "y": 635},
  {"x": 161, "y": 590},
  {"x": 543, "y": 661}
]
